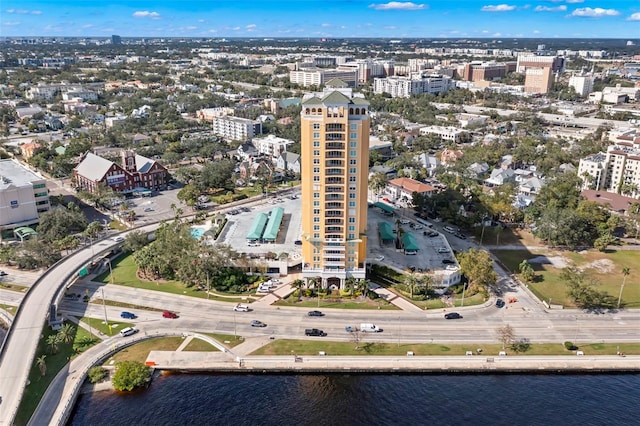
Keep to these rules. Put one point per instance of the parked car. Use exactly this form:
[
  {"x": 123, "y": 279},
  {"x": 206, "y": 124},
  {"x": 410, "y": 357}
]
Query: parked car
[
  {"x": 453, "y": 315},
  {"x": 499, "y": 303},
  {"x": 443, "y": 250},
  {"x": 256, "y": 323},
  {"x": 448, "y": 262},
  {"x": 460, "y": 235},
  {"x": 241, "y": 308},
  {"x": 3, "y": 273},
  {"x": 315, "y": 314},
  {"x": 127, "y": 315},
  {"x": 450, "y": 229},
  {"x": 314, "y": 332},
  {"x": 380, "y": 258},
  {"x": 148, "y": 209},
  {"x": 298, "y": 242},
  {"x": 169, "y": 314},
  {"x": 432, "y": 234},
  {"x": 253, "y": 244}
]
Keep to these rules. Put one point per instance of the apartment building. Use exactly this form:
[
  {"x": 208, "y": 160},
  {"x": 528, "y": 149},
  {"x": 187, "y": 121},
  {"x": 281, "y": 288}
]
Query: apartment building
[
  {"x": 335, "y": 157},
  {"x": 583, "y": 84},
  {"x": 272, "y": 145},
  {"x": 23, "y": 195},
  {"x": 448, "y": 133},
  {"x": 415, "y": 84},
  {"x": 487, "y": 71},
  {"x": 236, "y": 128},
  {"x": 320, "y": 76},
  {"x": 617, "y": 170},
  {"x": 556, "y": 63},
  {"x": 538, "y": 80}
]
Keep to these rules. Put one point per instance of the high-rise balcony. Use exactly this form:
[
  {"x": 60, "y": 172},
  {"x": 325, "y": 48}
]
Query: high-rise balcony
[
  {"x": 334, "y": 127},
  {"x": 329, "y": 197},
  {"x": 333, "y": 213},
  {"x": 334, "y": 172},
  {"x": 334, "y": 145},
  {"x": 339, "y": 189},
  {"x": 334, "y": 181},
  {"x": 329, "y": 229},
  {"x": 334, "y": 136},
  {"x": 334, "y": 222},
  {"x": 333, "y": 205},
  {"x": 334, "y": 154},
  {"x": 334, "y": 163}
]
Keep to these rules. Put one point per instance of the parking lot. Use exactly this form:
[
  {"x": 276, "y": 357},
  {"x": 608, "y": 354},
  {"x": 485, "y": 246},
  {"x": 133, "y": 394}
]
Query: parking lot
[{"x": 433, "y": 249}]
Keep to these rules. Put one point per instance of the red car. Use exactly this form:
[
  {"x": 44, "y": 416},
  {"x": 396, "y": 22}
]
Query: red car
[{"x": 169, "y": 314}]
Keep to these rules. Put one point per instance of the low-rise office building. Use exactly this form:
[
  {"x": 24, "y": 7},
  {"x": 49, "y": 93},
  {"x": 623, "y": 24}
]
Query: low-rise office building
[{"x": 23, "y": 195}]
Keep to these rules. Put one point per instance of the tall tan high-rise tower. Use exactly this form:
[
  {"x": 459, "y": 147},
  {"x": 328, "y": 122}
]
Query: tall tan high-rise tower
[{"x": 335, "y": 163}]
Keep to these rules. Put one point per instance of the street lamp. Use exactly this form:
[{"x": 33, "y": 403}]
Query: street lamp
[
  {"x": 110, "y": 270},
  {"x": 104, "y": 306},
  {"x": 463, "y": 288}
]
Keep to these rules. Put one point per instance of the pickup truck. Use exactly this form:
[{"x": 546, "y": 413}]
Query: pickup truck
[{"x": 314, "y": 332}]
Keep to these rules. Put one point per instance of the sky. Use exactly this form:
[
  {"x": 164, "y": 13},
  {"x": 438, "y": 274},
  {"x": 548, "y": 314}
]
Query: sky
[{"x": 323, "y": 18}]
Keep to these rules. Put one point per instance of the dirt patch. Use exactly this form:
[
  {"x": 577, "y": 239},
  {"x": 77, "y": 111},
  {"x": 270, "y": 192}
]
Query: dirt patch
[
  {"x": 603, "y": 266},
  {"x": 559, "y": 262}
]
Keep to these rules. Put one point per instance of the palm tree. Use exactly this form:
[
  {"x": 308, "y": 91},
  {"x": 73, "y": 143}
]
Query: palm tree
[
  {"x": 42, "y": 364},
  {"x": 410, "y": 280},
  {"x": 350, "y": 284},
  {"x": 52, "y": 342},
  {"x": 298, "y": 284},
  {"x": 66, "y": 333},
  {"x": 362, "y": 286},
  {"x": 625, "y": 272}
]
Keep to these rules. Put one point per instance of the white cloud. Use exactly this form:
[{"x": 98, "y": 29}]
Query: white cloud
[
  {"x": 536, "y": 31},
  {"x": 325, "y": 25},
  {"x": 146, "y": 14},
  {"x": 18, "y": 11},
  {"x": 634, "y": 17},
  {"x": 11, "y": 23},
  {"x": 191, "y": 28},
  {"x": 498, "y": 8},
  {"x": 575, "y": 1},
  {"x": 251, "y": 26},
  {"x": 398, "y": 5},
  {"x": 561, "y": 8},
  {"x": 36, "y": 12},
  {"x": 389, "y": 27},
  {"x": 596, "y": 12}
]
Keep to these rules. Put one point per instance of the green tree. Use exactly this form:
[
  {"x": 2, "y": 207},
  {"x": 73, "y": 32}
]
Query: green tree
[
  {"x": 130, "y": 375},
  {"x": 97, "y": 374},
  {"x": 477, "y": 266},
  {"x": 42, "y": 364},
  {"x": 625, "y": 273},
  {"x": 134, "y": 241},
  {"x": 59, "y": 222},
  {"x": 66, "y": 333},
  {"x": 526, "y": 271},
  {"x": 53, "y": 340},
  {"x": 189, "y": 195}
]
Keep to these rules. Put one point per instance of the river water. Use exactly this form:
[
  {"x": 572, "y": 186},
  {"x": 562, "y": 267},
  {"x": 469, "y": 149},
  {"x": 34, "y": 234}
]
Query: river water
[{"x": 195, "y": 399}]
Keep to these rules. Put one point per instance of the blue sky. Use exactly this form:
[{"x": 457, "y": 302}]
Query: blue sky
[{"x": 322, "y": 18}]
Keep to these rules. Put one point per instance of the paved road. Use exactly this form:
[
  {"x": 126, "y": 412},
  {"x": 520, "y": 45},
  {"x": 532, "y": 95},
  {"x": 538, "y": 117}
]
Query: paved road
[{"x": 18, "y": 351}]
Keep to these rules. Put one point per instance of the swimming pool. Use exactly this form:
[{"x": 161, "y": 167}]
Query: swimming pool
[{"x": 197, "y": 233}]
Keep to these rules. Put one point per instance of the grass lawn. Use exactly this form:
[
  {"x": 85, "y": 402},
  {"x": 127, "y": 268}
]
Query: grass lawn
[
  {"x": 98, "y": 324},
  {"x": 125, "y": 305},
  {"x": 199, "y": 345},
  {"x": 229, "y": 340},
  {"x": 312, "y": 347},
  {"x": 117, "y": 225},
  {"x": 335, "y": 303},
  {"x": 55, "y": 362},
  {"x": 605, "y": 267},
  {"x": 9, "y": 308},
  {"x": 14, "y": 287},
  {"x": 125, "y": 273},
  {"x": 140, "y": 351}
]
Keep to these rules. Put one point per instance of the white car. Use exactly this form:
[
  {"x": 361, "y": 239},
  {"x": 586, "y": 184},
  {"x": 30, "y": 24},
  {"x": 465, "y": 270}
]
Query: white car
[
  {"x": 119, "y": 239},
  {"x": 443, "y": 250},
  {"x": 405, "y": 222},
  {"x": 380, "y": 258},
  {"x": 241, "y": 308}
]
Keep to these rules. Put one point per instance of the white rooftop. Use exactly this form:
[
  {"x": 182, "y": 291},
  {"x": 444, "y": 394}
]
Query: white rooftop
[{"x": 14, "y": 173}]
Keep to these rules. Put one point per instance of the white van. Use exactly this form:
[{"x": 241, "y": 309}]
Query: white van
[
  {"x": 369, "y": 328},
  {"x": 127, "y": 331}
]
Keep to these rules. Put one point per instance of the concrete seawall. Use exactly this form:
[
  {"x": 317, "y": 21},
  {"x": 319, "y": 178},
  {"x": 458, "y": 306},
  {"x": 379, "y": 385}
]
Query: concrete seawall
[{"x": 323, "y": 364}]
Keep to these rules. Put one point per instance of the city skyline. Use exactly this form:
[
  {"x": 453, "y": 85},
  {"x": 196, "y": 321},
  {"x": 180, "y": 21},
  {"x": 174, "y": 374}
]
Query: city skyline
[{"x": 315, "y": 18}]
